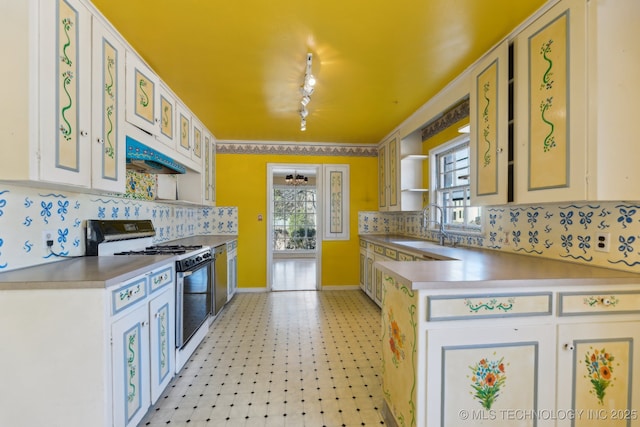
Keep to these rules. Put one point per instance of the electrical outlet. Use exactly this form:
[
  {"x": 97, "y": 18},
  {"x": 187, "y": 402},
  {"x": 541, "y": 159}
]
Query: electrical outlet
[
  {"x": 602, "y": 242},
  {"x": 47, "y": 235}
]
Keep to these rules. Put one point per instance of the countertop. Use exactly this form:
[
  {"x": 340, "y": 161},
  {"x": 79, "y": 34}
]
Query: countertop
[
  {"x": 462, "y": 267},
  {"x": 96, "y": 271}
]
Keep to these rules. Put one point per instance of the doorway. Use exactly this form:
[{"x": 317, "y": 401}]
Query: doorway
[{"x": 293, "y": 227}]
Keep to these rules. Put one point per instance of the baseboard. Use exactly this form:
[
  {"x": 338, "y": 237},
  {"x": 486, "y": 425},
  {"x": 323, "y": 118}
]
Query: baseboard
[
  {"x": 341, "y": 288},
  {"x": 387, "y": 416},
  {"x": 251, "y": 290}
]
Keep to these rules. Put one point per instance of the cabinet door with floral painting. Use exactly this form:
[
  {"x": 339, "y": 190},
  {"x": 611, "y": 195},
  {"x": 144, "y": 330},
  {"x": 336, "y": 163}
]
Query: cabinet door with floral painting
[
  {"x": 107, "y": 130},
  {"x": 64, "y": 92},
  {"x": 142, "y": 95},
  {"x": 597, "y": 379},
  {"x": 490, "y": 375},
  {"x": 551, "y": 106}
]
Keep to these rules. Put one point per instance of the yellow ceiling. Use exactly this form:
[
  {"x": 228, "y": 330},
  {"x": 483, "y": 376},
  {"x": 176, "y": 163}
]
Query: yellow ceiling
[{"x": 238, "y": 64}]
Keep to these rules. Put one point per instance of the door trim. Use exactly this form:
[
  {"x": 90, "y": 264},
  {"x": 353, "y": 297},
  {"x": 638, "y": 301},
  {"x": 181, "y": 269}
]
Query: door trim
[{"x": 319, "y": 218}]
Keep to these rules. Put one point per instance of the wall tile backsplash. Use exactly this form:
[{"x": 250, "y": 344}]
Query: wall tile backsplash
[
  {"x": 566, "y": 231},
  {"x": 28, "y": 215}
]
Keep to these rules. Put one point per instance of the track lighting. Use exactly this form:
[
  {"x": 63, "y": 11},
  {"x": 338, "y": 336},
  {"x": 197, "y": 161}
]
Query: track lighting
[{"x": 306, "y": 90}]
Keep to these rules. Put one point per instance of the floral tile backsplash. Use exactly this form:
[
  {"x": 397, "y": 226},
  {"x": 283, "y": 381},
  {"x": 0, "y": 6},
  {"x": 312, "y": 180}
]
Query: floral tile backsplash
[
  {"x": 567, "y": 231},
  {"x": 28, "y": 214}
]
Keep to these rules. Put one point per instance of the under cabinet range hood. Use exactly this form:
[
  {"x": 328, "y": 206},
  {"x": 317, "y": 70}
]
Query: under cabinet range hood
[{"x": 142, "y": 158}]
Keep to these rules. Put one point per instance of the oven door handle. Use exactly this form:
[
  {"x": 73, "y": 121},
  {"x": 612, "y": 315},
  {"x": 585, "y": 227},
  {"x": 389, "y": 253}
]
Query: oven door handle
[{"x": 186, "y": 273}]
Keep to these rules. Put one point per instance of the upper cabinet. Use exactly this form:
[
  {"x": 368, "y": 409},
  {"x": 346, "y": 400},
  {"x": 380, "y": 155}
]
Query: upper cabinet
[
  {"x": 489, "y": 123},
  {"x": 412, "y": 161},
  {"x": 183, "y": 121},
  {"x": 400, "y": 178},
  {"x": 167, "y": 131},
  {"x": 143, "y": 94},
  {"x": 389, "y": 174},
  {"x": 107, "y": 130},
  {"x": 45, "y": 129},
  {"x": 551, "y": 145},
  {"x": 553, "y": 115}
]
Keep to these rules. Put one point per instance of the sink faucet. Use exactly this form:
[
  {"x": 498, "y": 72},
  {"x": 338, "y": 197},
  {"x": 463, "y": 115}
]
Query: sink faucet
[{"x": 442, "y": 235}]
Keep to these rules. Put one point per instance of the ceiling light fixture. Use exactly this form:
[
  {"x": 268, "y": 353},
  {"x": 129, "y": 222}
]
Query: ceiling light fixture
[
  {"x": 306, "y": 90},
  {"x": 296, "y": 179}
]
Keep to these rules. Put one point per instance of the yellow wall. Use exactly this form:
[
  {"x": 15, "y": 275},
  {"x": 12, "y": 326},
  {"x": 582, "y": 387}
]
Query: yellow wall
[{"x": 241, "y": 180}]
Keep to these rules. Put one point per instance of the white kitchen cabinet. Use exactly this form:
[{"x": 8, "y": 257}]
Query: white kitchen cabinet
[
  {"x": 412, "y": 161},
  {"x": 199, "y": 186},
  {"x": 197, "y": 139},
  {"x": 489, "y": 371},
  {"x": 489, "y": 124},
  {"x": 143, "y": 95},
  {"x": 167, "y": 127},
  {"x": 47, "y": 129},
  {"x": 596, "y": 375},
  {"x": 107, "y": 131},
  {"x": 130, "y": 357},
  {"x": 162, "y": 324},
  {"x": 232, "y": 269},
  {"x": 499, "y": 355},
  {"x": 389, "y": 174},
  {"x": 142, "y": 338},
  {"x": 209, "y": 168},
  {"x": 185, "y": 134},
  {"x": 400, "y": 176}
]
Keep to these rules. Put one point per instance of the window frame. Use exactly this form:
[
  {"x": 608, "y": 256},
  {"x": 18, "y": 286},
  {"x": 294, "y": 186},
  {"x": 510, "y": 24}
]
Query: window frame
[
  {"x": 436, "y": 193},
  {"x": 314, "y": 238}
]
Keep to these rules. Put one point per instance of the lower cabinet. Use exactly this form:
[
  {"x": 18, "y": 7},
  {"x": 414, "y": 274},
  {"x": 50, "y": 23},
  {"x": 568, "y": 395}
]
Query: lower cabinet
[
  {"x": 142, "y": 343},
  {"x": 232, "y": 269},
  {"x": 596, "y": 377},
  {"x": 130, "y": 357},
  {"x": 370, "y": 275},
  {"x": 550, "y": 355},
  {"x": 161, "y": 340}
]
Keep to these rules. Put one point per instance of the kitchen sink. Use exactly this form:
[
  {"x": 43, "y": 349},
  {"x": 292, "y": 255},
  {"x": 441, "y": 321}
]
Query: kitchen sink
[{"x": 416, "y": 244}]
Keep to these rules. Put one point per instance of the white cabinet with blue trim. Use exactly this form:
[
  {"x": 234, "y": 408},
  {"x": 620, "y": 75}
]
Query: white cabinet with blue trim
[
  {"x": 47, "y": 128},
  {"x": 142, "y": 343},
  {"x": 532, "y": 353}
]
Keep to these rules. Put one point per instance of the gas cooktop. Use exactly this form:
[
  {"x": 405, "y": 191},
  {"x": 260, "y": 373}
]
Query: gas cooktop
[{"x": 162, "y": 249}]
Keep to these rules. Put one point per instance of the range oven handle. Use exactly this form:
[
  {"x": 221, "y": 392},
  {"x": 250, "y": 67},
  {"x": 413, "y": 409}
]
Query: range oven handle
[{"x": 185, "y": 273}]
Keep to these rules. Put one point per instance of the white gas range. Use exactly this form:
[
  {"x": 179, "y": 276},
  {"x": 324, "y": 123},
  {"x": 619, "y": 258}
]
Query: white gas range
[{"x": 195, "y": 275}]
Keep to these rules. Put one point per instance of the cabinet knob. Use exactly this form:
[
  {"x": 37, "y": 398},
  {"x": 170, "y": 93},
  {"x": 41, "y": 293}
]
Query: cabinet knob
[
  {"x": 569, "y": 347},
  {"x": 100, "y": 140},
  {"x": 500, "y": 150},
  {"x": 83, "y": 133}
]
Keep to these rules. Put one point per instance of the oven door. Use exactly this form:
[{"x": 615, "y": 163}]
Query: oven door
[{"x": 193, "y": 301}]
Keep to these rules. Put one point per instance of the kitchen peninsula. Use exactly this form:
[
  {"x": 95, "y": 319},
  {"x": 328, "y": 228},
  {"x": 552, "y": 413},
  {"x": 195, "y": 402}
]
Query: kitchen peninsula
[{"x": 475, "y": 336}]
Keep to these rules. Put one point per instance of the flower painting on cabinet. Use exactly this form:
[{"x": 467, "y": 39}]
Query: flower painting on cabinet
[
  {"x": 599, "y": 365},
  {"x": 396, "y": 340},
  {"x": 488, "y": 376}
]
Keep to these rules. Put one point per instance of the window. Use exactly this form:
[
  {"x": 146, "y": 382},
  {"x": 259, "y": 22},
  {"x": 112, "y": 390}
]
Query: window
[
  {"x": 451, "y": 188},
  {"x": 294, "y": 218}
]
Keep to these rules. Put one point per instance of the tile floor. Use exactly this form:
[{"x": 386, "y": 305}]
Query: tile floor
[
  {"x": 291, "y": 274},
  {"x": 303, "y": 358}
]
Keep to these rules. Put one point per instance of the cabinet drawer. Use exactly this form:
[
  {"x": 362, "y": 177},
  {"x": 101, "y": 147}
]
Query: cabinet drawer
[
  {"x": 461, "y": 307},
  {"x": 363, "y": 244},
  {"x": 378, "y": 249},
  {"x": 405, "y": 257},
  {"x": 127, "y": 295},
  {"x": 390, "y": 253},
  {"x": 588, "y": 303},
  {"x": 161, "y": 278}
]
